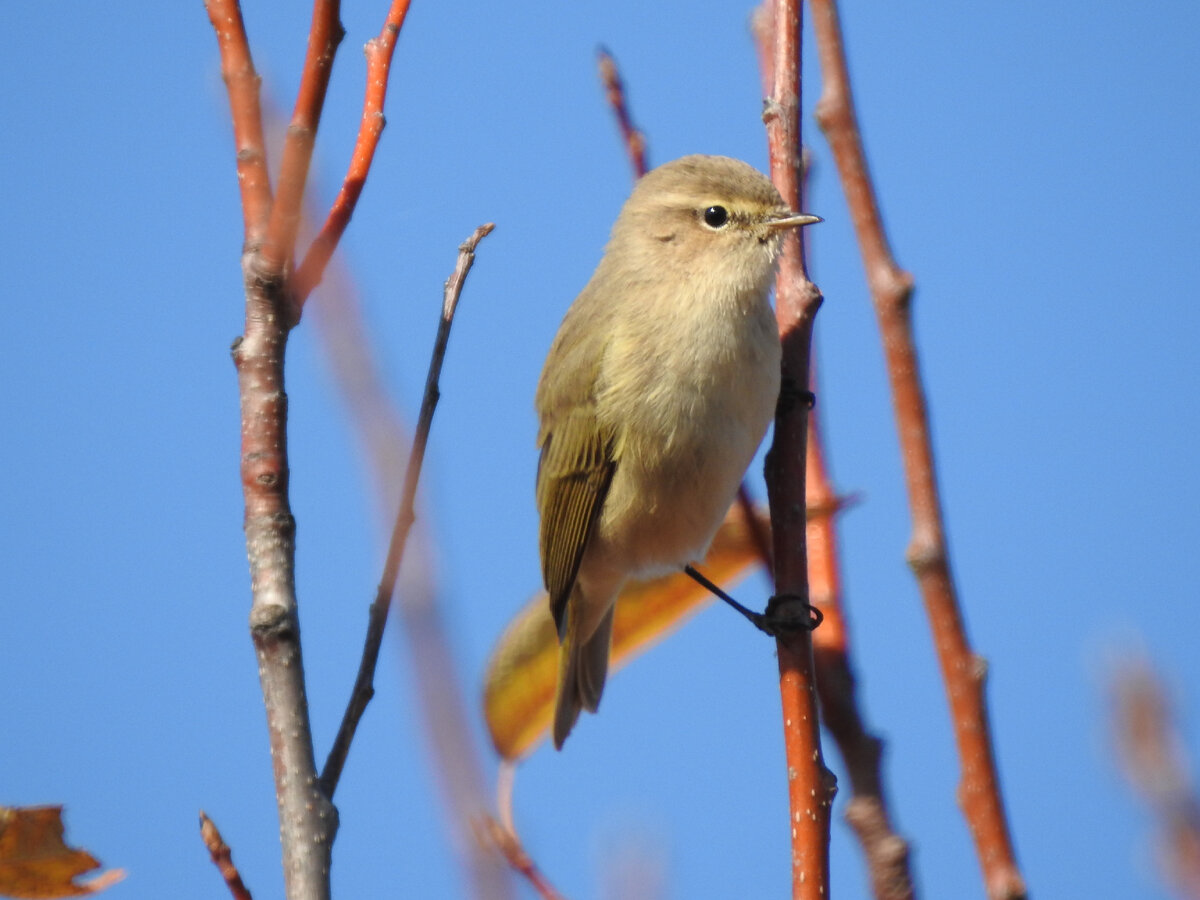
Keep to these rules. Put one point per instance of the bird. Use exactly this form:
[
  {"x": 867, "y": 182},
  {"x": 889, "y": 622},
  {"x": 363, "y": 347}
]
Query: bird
[{"x": 654, "y": 397}]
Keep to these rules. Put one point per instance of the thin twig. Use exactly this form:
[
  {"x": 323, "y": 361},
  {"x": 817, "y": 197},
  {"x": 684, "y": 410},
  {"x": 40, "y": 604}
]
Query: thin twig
[
  {"x": 456, "y": 761},
  {"x": 242, "y": 84},
  {"x": 891, "y": 291},
  {"x": 614, "y": 92},
  {"x": 1151, "y": 750},
  {"x": 364, "y": 689},
  {"x": 886, "y": 852},
  {"x": 810, "y": 785},
  {"x": 379, "y": 51},
  {"x": 324, "y": 35},
  {"x": 514, "y": 853},
  {"x": 222, "y": 857},
  {"x": 454, "y": 755}
]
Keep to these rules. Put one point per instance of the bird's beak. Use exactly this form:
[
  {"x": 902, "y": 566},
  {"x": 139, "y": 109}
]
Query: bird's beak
[{"x": 792, "y": 220}]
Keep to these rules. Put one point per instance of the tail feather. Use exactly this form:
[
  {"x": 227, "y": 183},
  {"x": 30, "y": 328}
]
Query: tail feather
[{"x": 582, "y": 669}]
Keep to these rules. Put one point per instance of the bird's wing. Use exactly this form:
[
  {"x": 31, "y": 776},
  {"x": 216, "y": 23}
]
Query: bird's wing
[{"x": 574, "y": 472}]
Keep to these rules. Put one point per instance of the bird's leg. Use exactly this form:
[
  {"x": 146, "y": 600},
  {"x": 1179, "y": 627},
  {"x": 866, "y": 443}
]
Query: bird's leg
[{"x": 780, "y": 616}]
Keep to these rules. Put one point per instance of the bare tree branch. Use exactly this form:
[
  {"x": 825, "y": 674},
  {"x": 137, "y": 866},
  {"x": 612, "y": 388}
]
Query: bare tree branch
[
  {"x": 891, "y": 291},
  {"x": 614, "y": 92},
  {"x": 810, "y": 785},
  {"x": 222, "y": 858},
  {"x": 510, "y": 847},
  {"x": 1151, "y": 750},
  {"x": 324, "y": 35},
  {"x": 308, "y": 820},
  {"x": 242, "y": 84},
  {"x": 364, "y": 688},
  {"x": 379, "y": 51}
]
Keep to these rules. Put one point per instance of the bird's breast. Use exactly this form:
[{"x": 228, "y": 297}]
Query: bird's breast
[{"x": 691, "y": 407}]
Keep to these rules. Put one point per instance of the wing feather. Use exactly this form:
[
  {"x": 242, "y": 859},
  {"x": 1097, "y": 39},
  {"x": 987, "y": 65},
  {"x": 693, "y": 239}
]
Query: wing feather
[{"x": 574, "y": 473}]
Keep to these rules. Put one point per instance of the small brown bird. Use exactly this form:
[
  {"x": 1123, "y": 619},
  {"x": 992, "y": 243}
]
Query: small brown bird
[{"x": 654, "y": 398}]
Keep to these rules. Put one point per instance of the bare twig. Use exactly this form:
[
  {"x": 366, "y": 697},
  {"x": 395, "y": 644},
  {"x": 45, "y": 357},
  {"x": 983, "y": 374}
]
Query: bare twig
[
  {"x": 456, "y": 761},
  {"x": 510, "y": 847},
  {"x": 222, "y": 857},
  {"x": 364, "y": 689},
  {"x": 379, "y": 52},
  {"x": 242, "y": 84},
  {"x": 614, "y": 92},
  {"x": 324, "y": 35},
  {"x": 810, "y": 785},
  {"x": 308, "y": 820},
  {"x": 1151, "y": 750},
  {"x": 891, "y": 292},
  {"x": 886, "y": 852}
]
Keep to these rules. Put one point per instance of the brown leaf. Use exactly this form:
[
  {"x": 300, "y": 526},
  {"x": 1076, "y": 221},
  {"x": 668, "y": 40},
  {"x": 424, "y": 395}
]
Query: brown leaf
[
  {"x": 521, "y": 674},
  {"x": 34, "y": 861}
]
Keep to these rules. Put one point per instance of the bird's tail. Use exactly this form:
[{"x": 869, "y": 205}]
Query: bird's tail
[{"x": 582, "y": 668}]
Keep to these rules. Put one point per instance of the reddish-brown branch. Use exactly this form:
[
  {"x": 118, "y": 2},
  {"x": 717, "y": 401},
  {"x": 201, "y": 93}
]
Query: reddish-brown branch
[
  {"x": 1151, "y": 750},
  {"x": 364, "y": 689},
  {"x": 810, "y": 785},
  {"x": 242, "y": 84},
  {"x": 379, "y": 51},
  {"x": 614, "y": 92},
  {"x": 514, "y": 853},
  {"x": 324, "y": 35},
  {"x": 222, "y": 857},
  {"x": 891, "y": 290},
  {"x": 886, "y": 852}
]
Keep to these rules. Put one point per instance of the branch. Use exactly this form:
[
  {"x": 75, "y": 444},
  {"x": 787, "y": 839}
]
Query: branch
[
  {"x": 379, "y": 52},
  {"x": 1151, "y": 750},
  {"x": 506, "y": 841},
  {"x": 614, "y": 92},
  {"x": 886, "y": 852},
  {"x": 308, "y": 821},
  {"x": 324, "y": 35},
  {"x": 242, "y": 84},
  {"x": 454, "y": 756},
  {"x": 222, "y": 857},
  {"x": 891, "y": 292},
  {"x": 810, "y": 785},
  {"x": 364, "y": 688}
]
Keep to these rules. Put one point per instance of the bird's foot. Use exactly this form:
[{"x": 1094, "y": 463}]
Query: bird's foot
[{"x": 785, "y": 614}]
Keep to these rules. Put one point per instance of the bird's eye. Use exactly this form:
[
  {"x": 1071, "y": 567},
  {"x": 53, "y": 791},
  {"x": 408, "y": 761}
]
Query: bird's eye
[{"x": 716, "y": 216}]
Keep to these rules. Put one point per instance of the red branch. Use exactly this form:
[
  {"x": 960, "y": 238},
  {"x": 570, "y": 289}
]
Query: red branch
[
  {"x": 324, "y": 35},
  {"x": 222, "y": 858},
  {"x": 886, "y": 852},
  {"x": 379, "y": 52},
  {"x": 891, "y": 292},
  {"x": 1152, "y": 751},
  {"x": 810, "y": 785},
  {"x": 242, "y": 84},
  {"x": 513, "y": 851},
  {"x": 308, "y": 820},
  {"x": 614, "y": 92}
]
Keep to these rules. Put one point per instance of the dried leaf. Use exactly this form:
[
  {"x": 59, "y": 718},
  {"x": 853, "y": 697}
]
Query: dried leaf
[
  {"x": 521, "y": 674},
  {"x": 34, "y": 861}
]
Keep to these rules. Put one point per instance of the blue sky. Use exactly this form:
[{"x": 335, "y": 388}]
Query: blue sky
[{"x": 1037, "y": 171}]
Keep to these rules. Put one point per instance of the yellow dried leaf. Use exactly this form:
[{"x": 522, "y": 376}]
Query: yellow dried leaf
[
  {"x": 521, "y": 674},
  {"x": 34, "y": 861}
]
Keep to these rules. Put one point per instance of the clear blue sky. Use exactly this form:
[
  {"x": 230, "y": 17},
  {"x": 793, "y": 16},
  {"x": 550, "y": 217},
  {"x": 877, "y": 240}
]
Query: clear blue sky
[{"x": 1037, "y": 167}]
